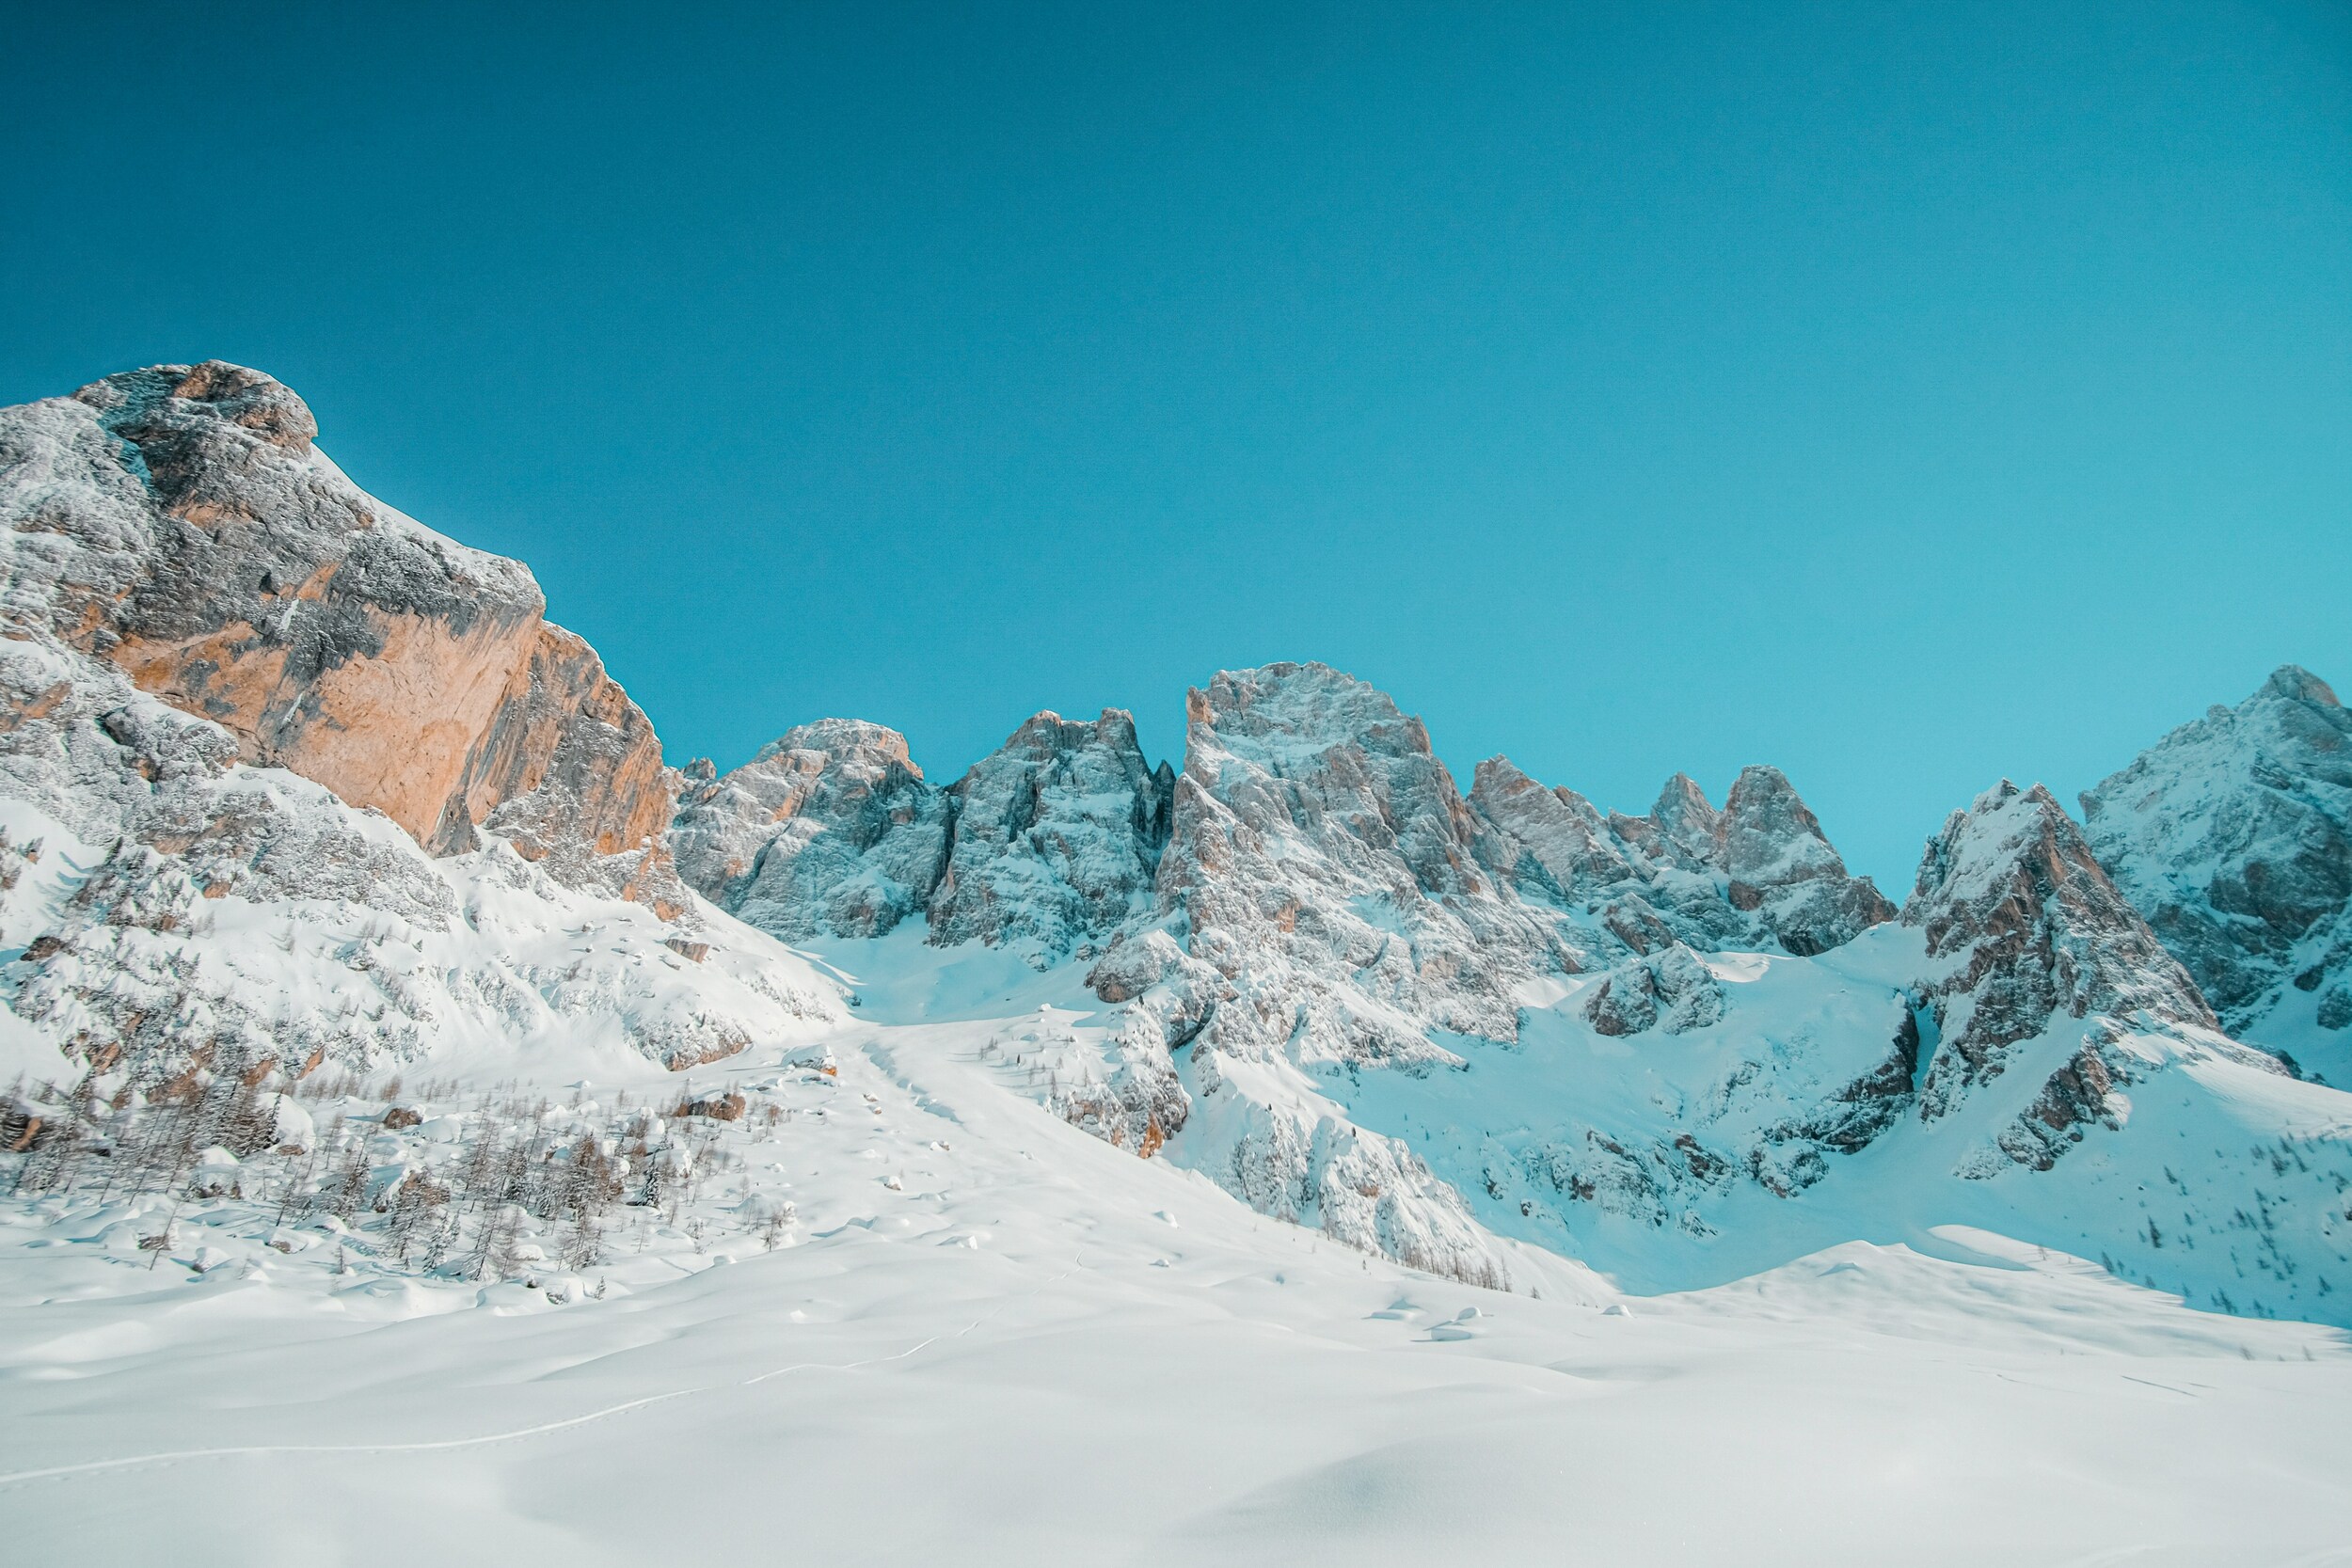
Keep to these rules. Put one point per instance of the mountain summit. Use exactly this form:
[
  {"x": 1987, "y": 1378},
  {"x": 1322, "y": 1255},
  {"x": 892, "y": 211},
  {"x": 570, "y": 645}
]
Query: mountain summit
[{"x": 291, "y": 785}]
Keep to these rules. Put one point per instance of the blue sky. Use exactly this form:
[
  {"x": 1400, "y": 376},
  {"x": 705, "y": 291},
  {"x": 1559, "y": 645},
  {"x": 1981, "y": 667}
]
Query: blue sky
[{"x": 1904, "y": 395}]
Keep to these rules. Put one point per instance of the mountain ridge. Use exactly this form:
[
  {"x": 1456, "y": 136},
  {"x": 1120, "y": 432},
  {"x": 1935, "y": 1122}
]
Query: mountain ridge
[{"x": 1306, "y": 963}]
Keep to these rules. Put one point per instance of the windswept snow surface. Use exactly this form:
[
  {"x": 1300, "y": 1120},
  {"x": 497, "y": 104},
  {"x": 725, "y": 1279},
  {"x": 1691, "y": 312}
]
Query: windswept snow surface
[{"x": 986, "y": 1337}]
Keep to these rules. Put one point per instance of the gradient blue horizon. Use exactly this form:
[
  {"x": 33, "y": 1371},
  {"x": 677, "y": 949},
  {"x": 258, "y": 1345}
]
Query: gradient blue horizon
[{"x": 1906, "y": 397}]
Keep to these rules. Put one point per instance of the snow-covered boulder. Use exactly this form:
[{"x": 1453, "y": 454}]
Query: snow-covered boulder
[{"x": 1669, "y": 990}]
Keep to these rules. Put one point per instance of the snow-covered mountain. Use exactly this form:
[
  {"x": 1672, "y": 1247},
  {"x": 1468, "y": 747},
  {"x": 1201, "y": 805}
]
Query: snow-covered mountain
[
  {"x": 316, "y": 788},
  {"x": 489, "y": 1085},
  {"x": 2234, "y": 837},
  {"x": 1685, "y": 1045},
  {"x": 313, "y": 788}
]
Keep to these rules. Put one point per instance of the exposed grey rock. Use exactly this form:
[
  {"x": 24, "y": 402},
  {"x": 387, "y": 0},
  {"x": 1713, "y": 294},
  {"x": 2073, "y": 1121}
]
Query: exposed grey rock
[
  {"x": 1056, "y": 839},
  {"x": 1865, "y": 1108},
  {"x": 1681, "y": 830},
  {"x": 2232, "y": 836},
  {"x": 1168, "y": 998},
  {"x": 1324, "y": 862},
  {"x": 830, "y": 831},
  {"x": 1549, "y": 842},
  {"x": 1757, "y": 873},
  {"x": 1048, "y": 846},
  {"x": 1670, "y": 989},
  {"x": 1781, "y": 867},
  {"x": 1322, "y": 910},
  {"x": 2024, "y": 928}
]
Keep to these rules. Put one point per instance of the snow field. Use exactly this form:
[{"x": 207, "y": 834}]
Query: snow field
[{"x": 1034, "y": 1347}]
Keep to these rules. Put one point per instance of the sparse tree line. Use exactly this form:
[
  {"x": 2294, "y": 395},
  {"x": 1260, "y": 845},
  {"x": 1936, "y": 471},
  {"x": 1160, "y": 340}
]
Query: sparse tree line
[{"x": 471, "y": 1196}]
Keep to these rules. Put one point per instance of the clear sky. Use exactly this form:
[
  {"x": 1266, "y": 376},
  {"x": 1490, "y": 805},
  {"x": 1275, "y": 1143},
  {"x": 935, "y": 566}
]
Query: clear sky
[{"x": 1906, "y": 395}]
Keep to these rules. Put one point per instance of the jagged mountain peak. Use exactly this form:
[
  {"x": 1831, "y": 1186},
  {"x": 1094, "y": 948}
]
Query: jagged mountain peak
[
  {"x": 2022, "y": 924},
  {"x": 1323, "y": 753},
  {"x": 1056, "y": 837},
  {"x": 1780, "y": 865},
  {"x": 1682, "y": 829},
  {"x": 831, "y": 829},
  {"x": 1554, "y": 842},
  {"x": 1114, "y": 726},
  {"x": 179, "y": 523},
  {"x": 1680, "y": 798},
  {"x": 845, "y": 740},
  {"x": 2296, "y": 683},
  {"x": 1046, "y": 845},
  {"x": 1758, "y": 871},
  {"x": 2234, "y": 837},
  {"x": 1265, "y": 712},
  {"x": 249, "y": 398}
]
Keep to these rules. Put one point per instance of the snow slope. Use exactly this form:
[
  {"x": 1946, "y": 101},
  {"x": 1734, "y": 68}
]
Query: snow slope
[
  {"x": 1294, "y": 1159},
  {"x": 990, "y": 1338}
]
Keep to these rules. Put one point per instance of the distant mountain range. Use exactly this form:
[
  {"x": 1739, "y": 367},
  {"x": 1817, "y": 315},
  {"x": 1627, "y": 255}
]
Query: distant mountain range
[{"x": 339, "y": 797}]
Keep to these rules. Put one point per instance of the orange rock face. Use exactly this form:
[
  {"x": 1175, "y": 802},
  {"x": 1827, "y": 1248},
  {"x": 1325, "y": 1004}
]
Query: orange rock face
[
  {"x": 195, "y": 537},
  {"x": 567, "y": 755},
  {"x": 393, "y": 730}
]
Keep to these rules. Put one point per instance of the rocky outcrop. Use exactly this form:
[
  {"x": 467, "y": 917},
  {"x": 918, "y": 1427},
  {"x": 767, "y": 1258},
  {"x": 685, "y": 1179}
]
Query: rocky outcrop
[
  {"x": 570, "y": 773},
  {"x": 2232, "y": 836},
  {"x": 1681, "y": 830},
  {"x": 1324, "y": 864},
  {"x": 1322, "y": 909},
  {"x": 1778, "y": 864},
  {"x": 1863, "y": 1108},
  {"x": 179, "y": 523},
  {"x": 830, "y": 831},
  {"x": 1549, "y": 842},
  {"x": 199, "y": 912},
  {"x": 1757, "y": 873},
  {"x": 1047, "y": 845},
  {"x": 2024, "y": 929},
  {"x": 567, "y": 759},
  {"x": 1056, "y": 839},
  {"x": 1670, "y": 989}
]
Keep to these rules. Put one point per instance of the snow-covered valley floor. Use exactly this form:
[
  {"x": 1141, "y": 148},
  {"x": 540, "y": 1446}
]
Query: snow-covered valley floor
[{"x": 984, "y": 1337}]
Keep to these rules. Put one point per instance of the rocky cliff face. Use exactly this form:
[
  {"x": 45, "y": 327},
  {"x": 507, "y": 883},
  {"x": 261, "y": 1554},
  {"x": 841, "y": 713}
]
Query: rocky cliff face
[
  {"x": 1324, "y": 862},
  {"x": 1757, "y": 873},
  {"x": 1322, "y": 909},
  {"x": 1778, "y": 864},
  {"x": 2023, "y": 933},
  {"x": 169, "y": 910},
  {"x": 1045, "y": 846},
  {"x": 2232, "y": 836},
  {"x": 830, "y": 831},
  {"x": 179, "y": 523},
  {"x": 1057, "y": 838},
  {"x": 239, "y": 700}
]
